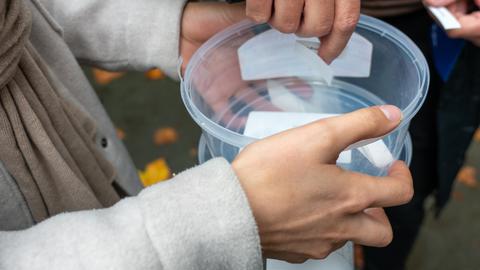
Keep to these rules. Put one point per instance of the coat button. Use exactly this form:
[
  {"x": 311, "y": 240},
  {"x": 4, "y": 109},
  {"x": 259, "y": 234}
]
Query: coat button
[{"x": 104, "y": 142}]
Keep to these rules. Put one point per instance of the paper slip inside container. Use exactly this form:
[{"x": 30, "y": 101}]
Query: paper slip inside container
[
  {"x": 355, "y": 60},
  {"x": 273, "y": 54},
  {"x": 264, "y": 124},
  {"x": 283, "y": 98},
  {"x": 377, "y": 153},
  {"x": 445, "y": 18}
]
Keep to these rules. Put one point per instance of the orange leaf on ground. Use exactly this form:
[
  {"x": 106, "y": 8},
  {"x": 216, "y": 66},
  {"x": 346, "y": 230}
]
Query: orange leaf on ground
[
  {"x": 103, "y": 77},
  {"x": 476, "y": 137},
  {"x": 155, "y": 74},
  {"x": 468, "y": 176},
  {"x": 167, "y": 135},
  {"x": 120, "y": 134},
  {"x": 155, "y": 172},
  {"x": 193, "y": 152},
  {"x": 458, "y": 196}
]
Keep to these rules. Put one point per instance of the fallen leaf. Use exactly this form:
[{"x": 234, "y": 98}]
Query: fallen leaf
[
  {"x": 476, "y": 137},
  {"x": 155, "y": 74},
  {"x": 120, "y": 134},
  {"x": 458, "y": 196},
  {"x": 467, "y": 176},
  {"x": 193, "y": 152},
  {"x": 103, "y": 77},
  {"x": 155, "y": 172},
  {"x": 167, "y": 135}
]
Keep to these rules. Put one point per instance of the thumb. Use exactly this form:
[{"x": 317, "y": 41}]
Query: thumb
[{"x": 342, "y": 131}]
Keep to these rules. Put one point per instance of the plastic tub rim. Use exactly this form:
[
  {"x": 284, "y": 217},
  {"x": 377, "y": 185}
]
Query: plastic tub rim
[
  {"x": 203, "y": 150},
  {"x": 366, "y": 22}
]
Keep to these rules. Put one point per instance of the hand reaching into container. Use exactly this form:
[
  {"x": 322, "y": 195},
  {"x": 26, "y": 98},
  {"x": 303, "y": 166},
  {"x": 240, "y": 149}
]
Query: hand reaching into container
[
  {"x": 200, "y": 22},
  {"x": 305, "y": 206},
  {"x": 333, "y": 21},
  {"x": 469, "y": 20}
]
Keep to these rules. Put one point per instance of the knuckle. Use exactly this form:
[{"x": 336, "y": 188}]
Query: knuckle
[
  {"x": 258, "y": 11},
  {"x": 258, "y": 17},
  {"x": 357, "y": 199},
  {"x": 318, "y": 30},
  {"x": 297, "y": 260},
  {"x": 408, "y": 193},
  {"x": 327, "y": 131},
  {"x": 386, "y": 237},
  {"x": 287, "y": 26},
  {"x": 320, "y": 254},
  {"x": 347, "y": 24},
  {"x": 373, "y": 118},
  {"x": 376, "y": 116}
]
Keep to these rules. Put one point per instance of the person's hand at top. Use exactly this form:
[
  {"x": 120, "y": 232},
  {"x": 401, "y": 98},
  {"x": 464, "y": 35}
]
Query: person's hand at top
[
  {"x": 333, "y": 21},
  {"x": 306, "y": 206},
  {"x": 466, "y": 12}
]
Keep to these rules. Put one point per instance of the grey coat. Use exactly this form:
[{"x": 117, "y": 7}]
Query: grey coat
[{"x": 199, "y": 220}]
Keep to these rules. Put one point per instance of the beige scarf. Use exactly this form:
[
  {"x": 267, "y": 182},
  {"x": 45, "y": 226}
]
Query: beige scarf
[{"x": 46, "y": 143}]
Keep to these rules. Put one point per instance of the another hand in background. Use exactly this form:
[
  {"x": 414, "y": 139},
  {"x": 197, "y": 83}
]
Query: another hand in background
[
  {"x": 333, "y": 21},
  {"x": 306, "y": 206},
  {"x": 470, "y": 20}
]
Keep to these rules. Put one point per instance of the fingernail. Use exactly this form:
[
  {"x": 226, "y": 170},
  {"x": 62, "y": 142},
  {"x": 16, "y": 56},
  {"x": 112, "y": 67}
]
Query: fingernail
[{"x": 392, "y": 113}]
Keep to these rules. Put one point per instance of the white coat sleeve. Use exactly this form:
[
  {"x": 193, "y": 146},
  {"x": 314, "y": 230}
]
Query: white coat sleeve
[
  {"x": 199, "y": 220},
  {"x": 121, "y": 34}
]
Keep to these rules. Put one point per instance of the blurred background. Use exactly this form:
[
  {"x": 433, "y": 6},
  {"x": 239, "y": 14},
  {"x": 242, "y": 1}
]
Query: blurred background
[{"x": 162, "y": 139}]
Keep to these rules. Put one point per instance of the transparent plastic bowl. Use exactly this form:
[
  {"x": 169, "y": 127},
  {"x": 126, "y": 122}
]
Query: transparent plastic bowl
[
  {"x": 339, "y": 260},
  {"x": 220, "y": 101}
]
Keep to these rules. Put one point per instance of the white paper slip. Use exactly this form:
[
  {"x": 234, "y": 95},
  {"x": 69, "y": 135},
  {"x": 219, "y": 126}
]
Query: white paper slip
[
  {"x": 264, "y": 124},
  {"x": 377, "y": 153},
  {"x": 445, "y": 18},
  {"x": 273, "y": 54},
  {"x": 354, "y": 61},
  {"x": 284, "y": 99}
]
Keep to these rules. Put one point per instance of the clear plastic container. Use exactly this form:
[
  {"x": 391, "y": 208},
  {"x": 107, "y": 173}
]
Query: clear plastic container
[
  {"x": 339, "y": 260},
  {"x": 221, "y": 101}
]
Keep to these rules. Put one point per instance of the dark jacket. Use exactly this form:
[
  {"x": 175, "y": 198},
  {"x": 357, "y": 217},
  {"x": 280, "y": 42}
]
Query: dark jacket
[{"x": 458, "y": 119}]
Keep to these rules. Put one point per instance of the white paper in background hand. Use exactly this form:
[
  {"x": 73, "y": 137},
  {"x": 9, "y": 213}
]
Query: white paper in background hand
[
  {"x": 273, "y": 54},
  {"x": 445, "y": 18},
  {"x": 264, "y": 124},
  {"x": 355, "y": 61}
]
